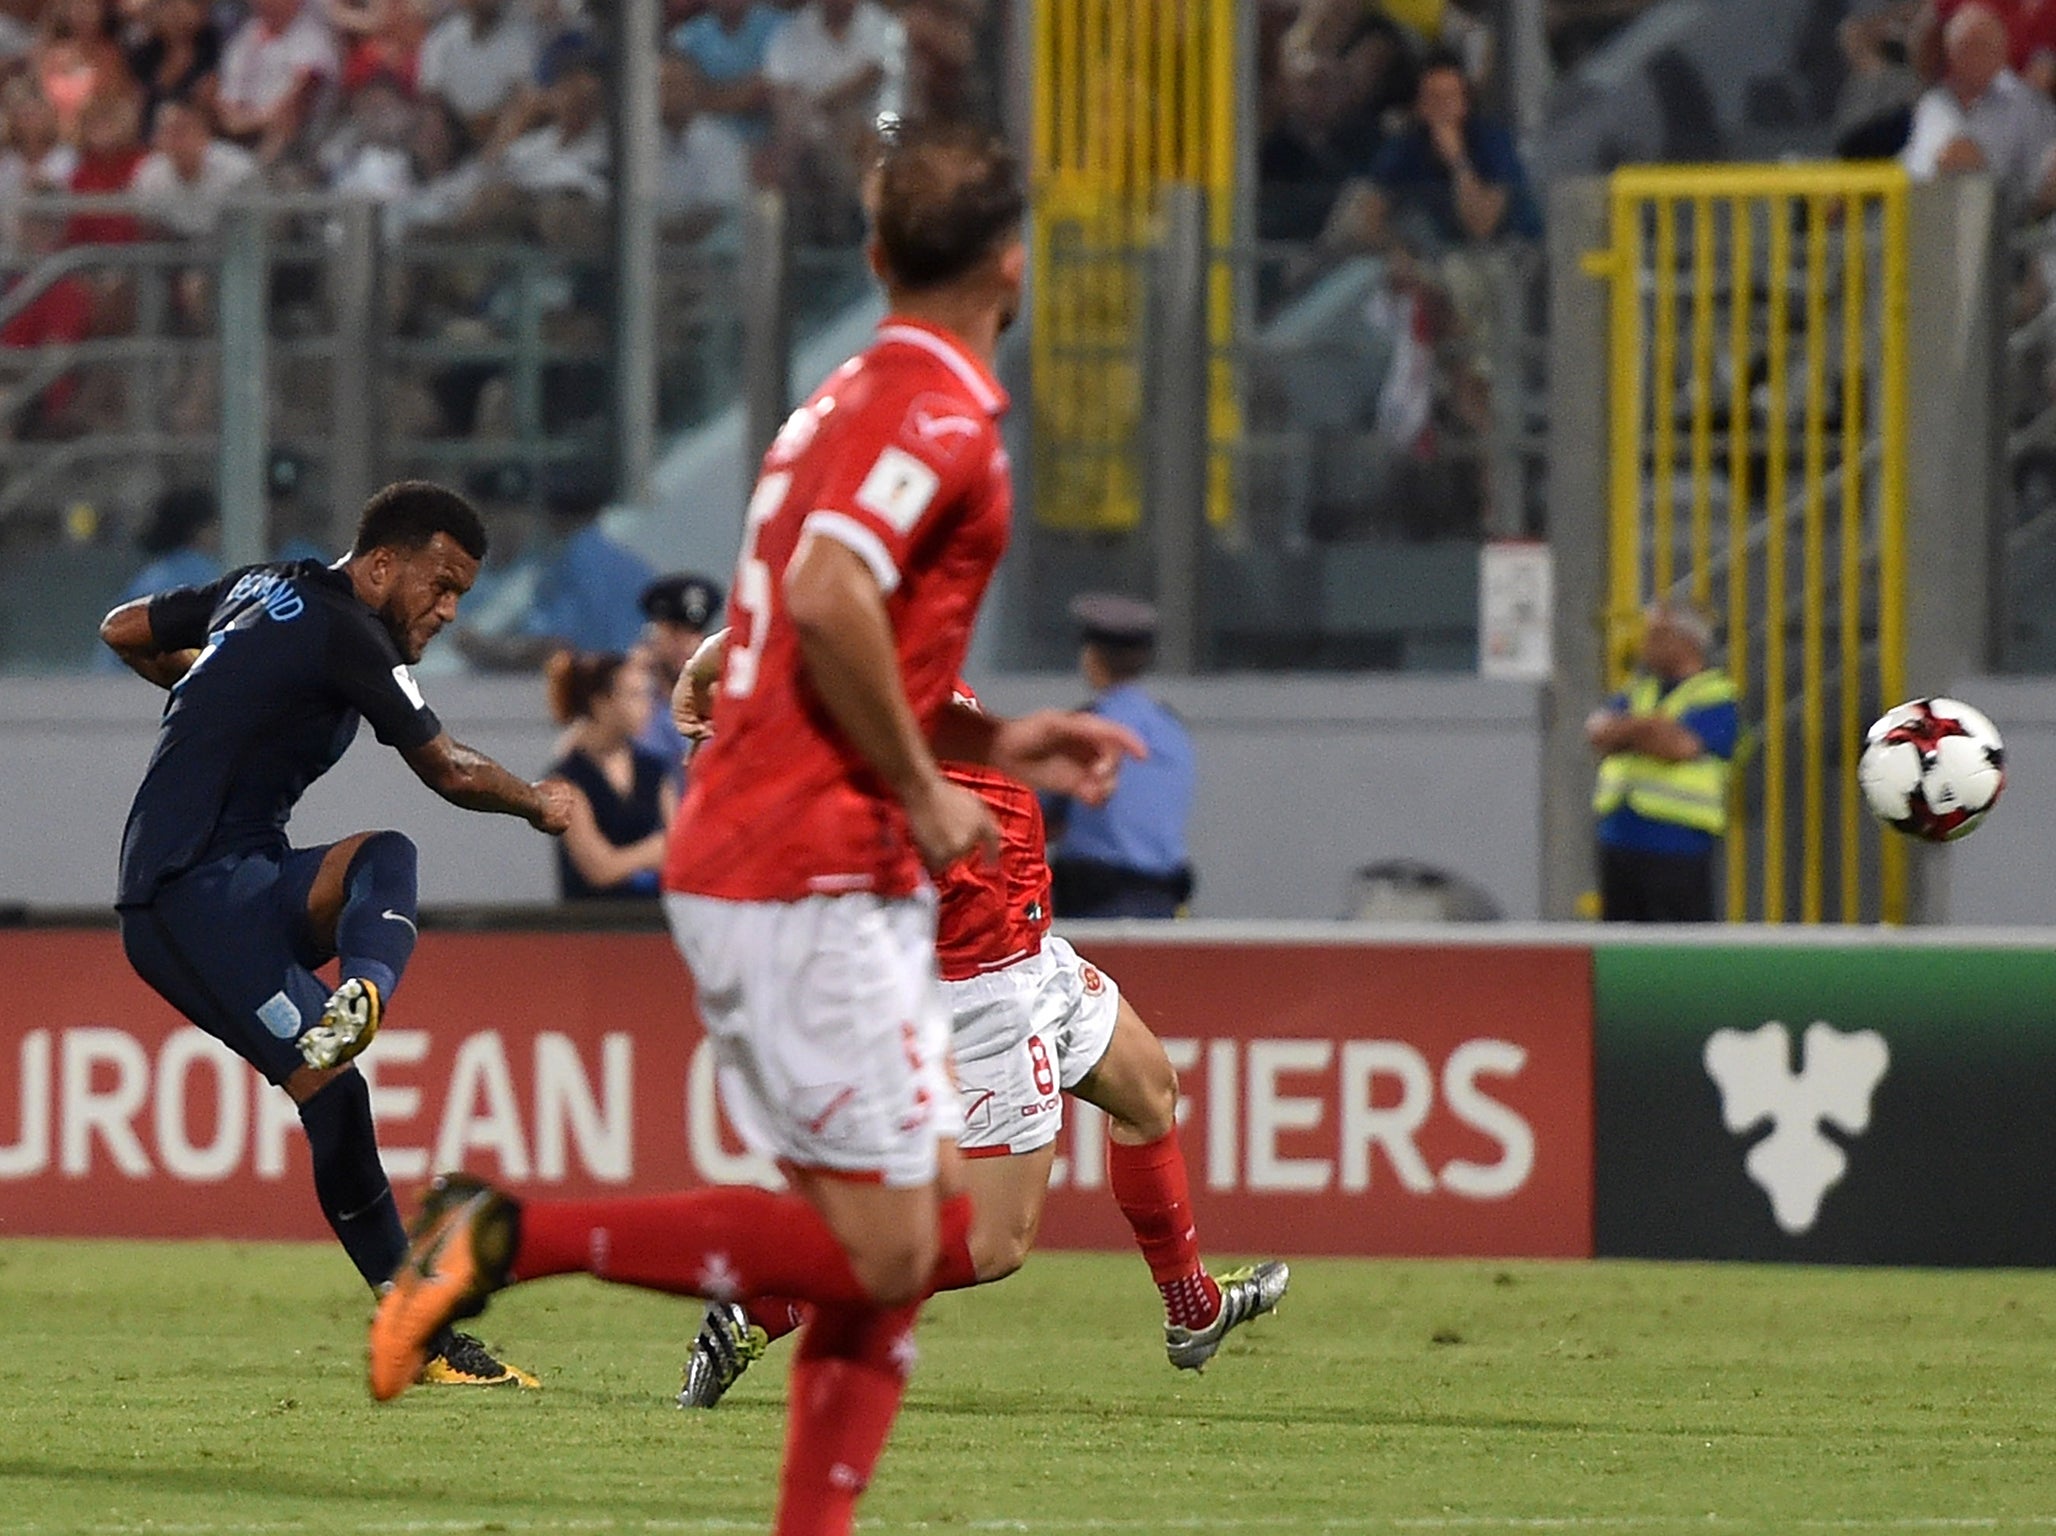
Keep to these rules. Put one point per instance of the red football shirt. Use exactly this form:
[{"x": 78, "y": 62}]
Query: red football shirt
[
  {"x": 994, "y": 913},
  {"x": 898, "y": 457}
]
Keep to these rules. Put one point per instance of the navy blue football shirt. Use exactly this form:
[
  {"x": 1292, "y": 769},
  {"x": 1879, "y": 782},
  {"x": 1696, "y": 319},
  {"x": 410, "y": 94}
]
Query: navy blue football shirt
[{"x": 290, "y": 661}]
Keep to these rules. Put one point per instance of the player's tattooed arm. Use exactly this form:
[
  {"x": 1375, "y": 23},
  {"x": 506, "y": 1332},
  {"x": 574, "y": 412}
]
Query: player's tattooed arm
[
  {"x": 126, "y": 631},
  {"x": 466, "y": 777}
]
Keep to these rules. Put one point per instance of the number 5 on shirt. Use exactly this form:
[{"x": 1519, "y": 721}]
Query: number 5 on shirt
[{"x": 750, "y": 607}]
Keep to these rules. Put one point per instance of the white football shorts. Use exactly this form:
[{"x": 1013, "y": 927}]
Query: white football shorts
[
  {"x": 830, "y": 1034},
  {"x": 1023, "y": 1035}
]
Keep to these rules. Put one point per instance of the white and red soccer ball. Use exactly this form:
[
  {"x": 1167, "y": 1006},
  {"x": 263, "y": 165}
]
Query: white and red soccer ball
[{"x": 1932, "y": 768}]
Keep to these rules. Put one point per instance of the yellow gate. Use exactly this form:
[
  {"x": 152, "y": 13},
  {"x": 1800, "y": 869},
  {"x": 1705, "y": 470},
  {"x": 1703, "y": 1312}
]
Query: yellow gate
[
  {"x": 1758, "y": 360},
  {"x": 1128, "y": 97}
]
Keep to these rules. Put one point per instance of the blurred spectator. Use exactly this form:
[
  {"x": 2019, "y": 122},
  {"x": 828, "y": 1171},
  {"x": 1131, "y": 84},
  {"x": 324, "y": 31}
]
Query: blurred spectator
[
  {"x": 2030, "y": 27},
  {"x": 189, "y": 174},
  {"x": 178, "y": 57},
  {"x": 1353, "y": 52},
  {"x": 943, "y": 81},
  {"x": 555, "y": 141},
  {"x": 76, "y": 60},
  {"x": 1874, "y": 108},
  {"x": 704, "y": 174},
  {"x": 1128, "y": 857},
  {"x": 724, "y": 47},
  {"x": 1983, "y": 117},
  {"x": 1451, "y": 179},
  {"x": 110, "y": 150},
  {"x": 478, "y": 59},
  {"x": 1324, "y": 136},
  {"x": 273, "y": 77},
  {"x": 371, "y": 154},
  {"x": 59, "y": 316},
  {"x": 443, "y": 175},
  {"x": 182, "y": 539},
  {"x": 833, "y": 69},
  {"x": 36, "y": 158},
  {"x": 586, "y": 587},
  {"x": 623, "y": 800},
  {"x": 678, "y": 611},
  {"x": 380, "y": 37}
]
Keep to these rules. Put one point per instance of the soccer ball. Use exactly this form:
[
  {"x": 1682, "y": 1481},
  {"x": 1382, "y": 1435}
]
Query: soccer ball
[{"x": 1932, "y": 768}]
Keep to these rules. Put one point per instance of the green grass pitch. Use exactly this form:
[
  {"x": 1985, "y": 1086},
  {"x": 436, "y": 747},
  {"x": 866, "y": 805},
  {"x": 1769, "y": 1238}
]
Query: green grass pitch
[{"x": 187, "y": 1388}]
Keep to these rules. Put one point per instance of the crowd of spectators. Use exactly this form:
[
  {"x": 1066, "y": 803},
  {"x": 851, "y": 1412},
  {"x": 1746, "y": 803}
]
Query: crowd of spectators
[
  {"x": 1955, "y": 86},
  {"x": 465, "y": 121},
  {"x": 1389, "y": 197}
]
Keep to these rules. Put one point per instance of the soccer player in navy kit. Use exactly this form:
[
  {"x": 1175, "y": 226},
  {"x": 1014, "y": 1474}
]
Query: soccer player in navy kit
[{"x": 269, "y": 671}]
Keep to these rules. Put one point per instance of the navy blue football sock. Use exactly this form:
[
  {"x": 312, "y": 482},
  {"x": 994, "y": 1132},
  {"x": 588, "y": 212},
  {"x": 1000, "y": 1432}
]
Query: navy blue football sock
[
  {"x": 349, "y": 1180},
  {"x": 375, "y": 933}
]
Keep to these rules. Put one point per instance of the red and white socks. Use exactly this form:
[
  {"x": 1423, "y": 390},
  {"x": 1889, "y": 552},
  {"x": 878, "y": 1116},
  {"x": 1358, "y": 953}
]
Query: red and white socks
[{"x": 1150, "y": 1186}]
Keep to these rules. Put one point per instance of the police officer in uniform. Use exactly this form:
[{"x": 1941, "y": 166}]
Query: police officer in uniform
[
  {"x": 678, "y": 611},
  {"x": 1665, "y": 744},
  {"x": 1127, "y": 858}
]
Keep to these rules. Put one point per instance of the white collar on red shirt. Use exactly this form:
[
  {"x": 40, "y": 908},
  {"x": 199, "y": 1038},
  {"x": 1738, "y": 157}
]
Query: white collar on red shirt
[{"x": 939, "y": 343}]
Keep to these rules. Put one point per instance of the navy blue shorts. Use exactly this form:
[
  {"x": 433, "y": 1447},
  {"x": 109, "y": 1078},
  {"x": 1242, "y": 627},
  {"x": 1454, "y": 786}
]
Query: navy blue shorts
[{"x": 228, "y": 945}]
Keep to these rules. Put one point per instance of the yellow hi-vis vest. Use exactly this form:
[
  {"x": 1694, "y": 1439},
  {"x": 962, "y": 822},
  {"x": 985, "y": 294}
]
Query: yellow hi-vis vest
[{"x": 1691, "y": 794}]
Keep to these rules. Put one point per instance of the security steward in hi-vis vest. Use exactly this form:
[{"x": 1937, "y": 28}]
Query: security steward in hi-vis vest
[{"x": 1665, "y": 745}]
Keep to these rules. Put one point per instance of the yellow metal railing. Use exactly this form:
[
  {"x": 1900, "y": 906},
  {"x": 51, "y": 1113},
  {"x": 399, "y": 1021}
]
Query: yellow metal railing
[
  {"x": 1810, "y": 580},
  {"x": 1127, "y": 99}
]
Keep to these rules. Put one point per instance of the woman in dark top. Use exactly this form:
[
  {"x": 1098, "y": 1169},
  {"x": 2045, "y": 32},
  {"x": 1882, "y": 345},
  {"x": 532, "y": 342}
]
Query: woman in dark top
[{"x": 622, "y": 804}]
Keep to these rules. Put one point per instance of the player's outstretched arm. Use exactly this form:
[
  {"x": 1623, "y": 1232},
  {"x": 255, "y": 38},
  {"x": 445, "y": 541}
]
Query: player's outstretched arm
[
  {"x": 846, "y": 645},
  {"x": 465, "y": 776},
  {"x": 126, "y": 631},
  {"x": 1060, "y": 752}
]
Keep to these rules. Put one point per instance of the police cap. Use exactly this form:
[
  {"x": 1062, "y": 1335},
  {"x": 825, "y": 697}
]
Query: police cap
[
  {"x": 683, "y": 598},
  {"x": 1111, "y": 619}
]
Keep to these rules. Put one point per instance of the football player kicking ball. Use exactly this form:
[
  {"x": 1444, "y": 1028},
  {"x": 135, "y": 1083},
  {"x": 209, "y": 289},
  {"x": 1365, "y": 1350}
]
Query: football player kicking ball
[
  {"x": 270, "y": 670},
  {"x": 794, "y": 885},
  {"x": 1029, "y": 1021}
]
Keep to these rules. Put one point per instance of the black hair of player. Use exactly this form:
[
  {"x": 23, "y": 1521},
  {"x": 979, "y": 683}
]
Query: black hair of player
[
  {"x": 943, "y": 197},
  {"x": 409, "y": 513}
]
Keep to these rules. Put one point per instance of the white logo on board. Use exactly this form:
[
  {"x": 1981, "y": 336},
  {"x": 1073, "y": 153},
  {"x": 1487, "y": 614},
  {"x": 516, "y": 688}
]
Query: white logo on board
[{"x": 1796, "y": 1165}]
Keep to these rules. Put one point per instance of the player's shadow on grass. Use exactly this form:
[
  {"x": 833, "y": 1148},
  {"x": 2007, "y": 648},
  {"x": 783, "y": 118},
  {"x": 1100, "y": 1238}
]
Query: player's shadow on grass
[
  {"x": 985, "y": 1405},
  {"x": 278, "y": 1484}
]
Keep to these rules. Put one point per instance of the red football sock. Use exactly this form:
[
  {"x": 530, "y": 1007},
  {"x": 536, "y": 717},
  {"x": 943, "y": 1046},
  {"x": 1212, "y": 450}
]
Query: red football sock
[
  {"x": 847, "y": 1380},
  {"x": 1149, "y": 1185},
  {"x": 726, "y": 1241},
  {"x": 954, "y": 1271},
  {"x": 776, "y": 1315}
]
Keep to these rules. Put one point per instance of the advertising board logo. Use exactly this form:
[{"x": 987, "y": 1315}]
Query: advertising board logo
[{"x": 1796, "y": 1164}]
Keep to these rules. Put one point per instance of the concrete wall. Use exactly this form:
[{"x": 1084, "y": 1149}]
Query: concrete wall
[
  {"x": 1301, "y": 782},
  {"x": 2005, "y": 872}
]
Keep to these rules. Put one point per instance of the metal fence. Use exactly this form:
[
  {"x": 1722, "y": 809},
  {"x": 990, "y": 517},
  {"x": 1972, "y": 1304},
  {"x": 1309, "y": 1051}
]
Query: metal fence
[
  {"x": 1333, "y": 516},
  {"x": 294, "y": 360}
]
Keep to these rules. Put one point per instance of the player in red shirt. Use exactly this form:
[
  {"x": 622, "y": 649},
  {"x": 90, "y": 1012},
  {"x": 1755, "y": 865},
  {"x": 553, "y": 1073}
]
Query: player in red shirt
[
  {"x": 795, "y": 887},
  {"x": 1029, "y": 1021}
]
